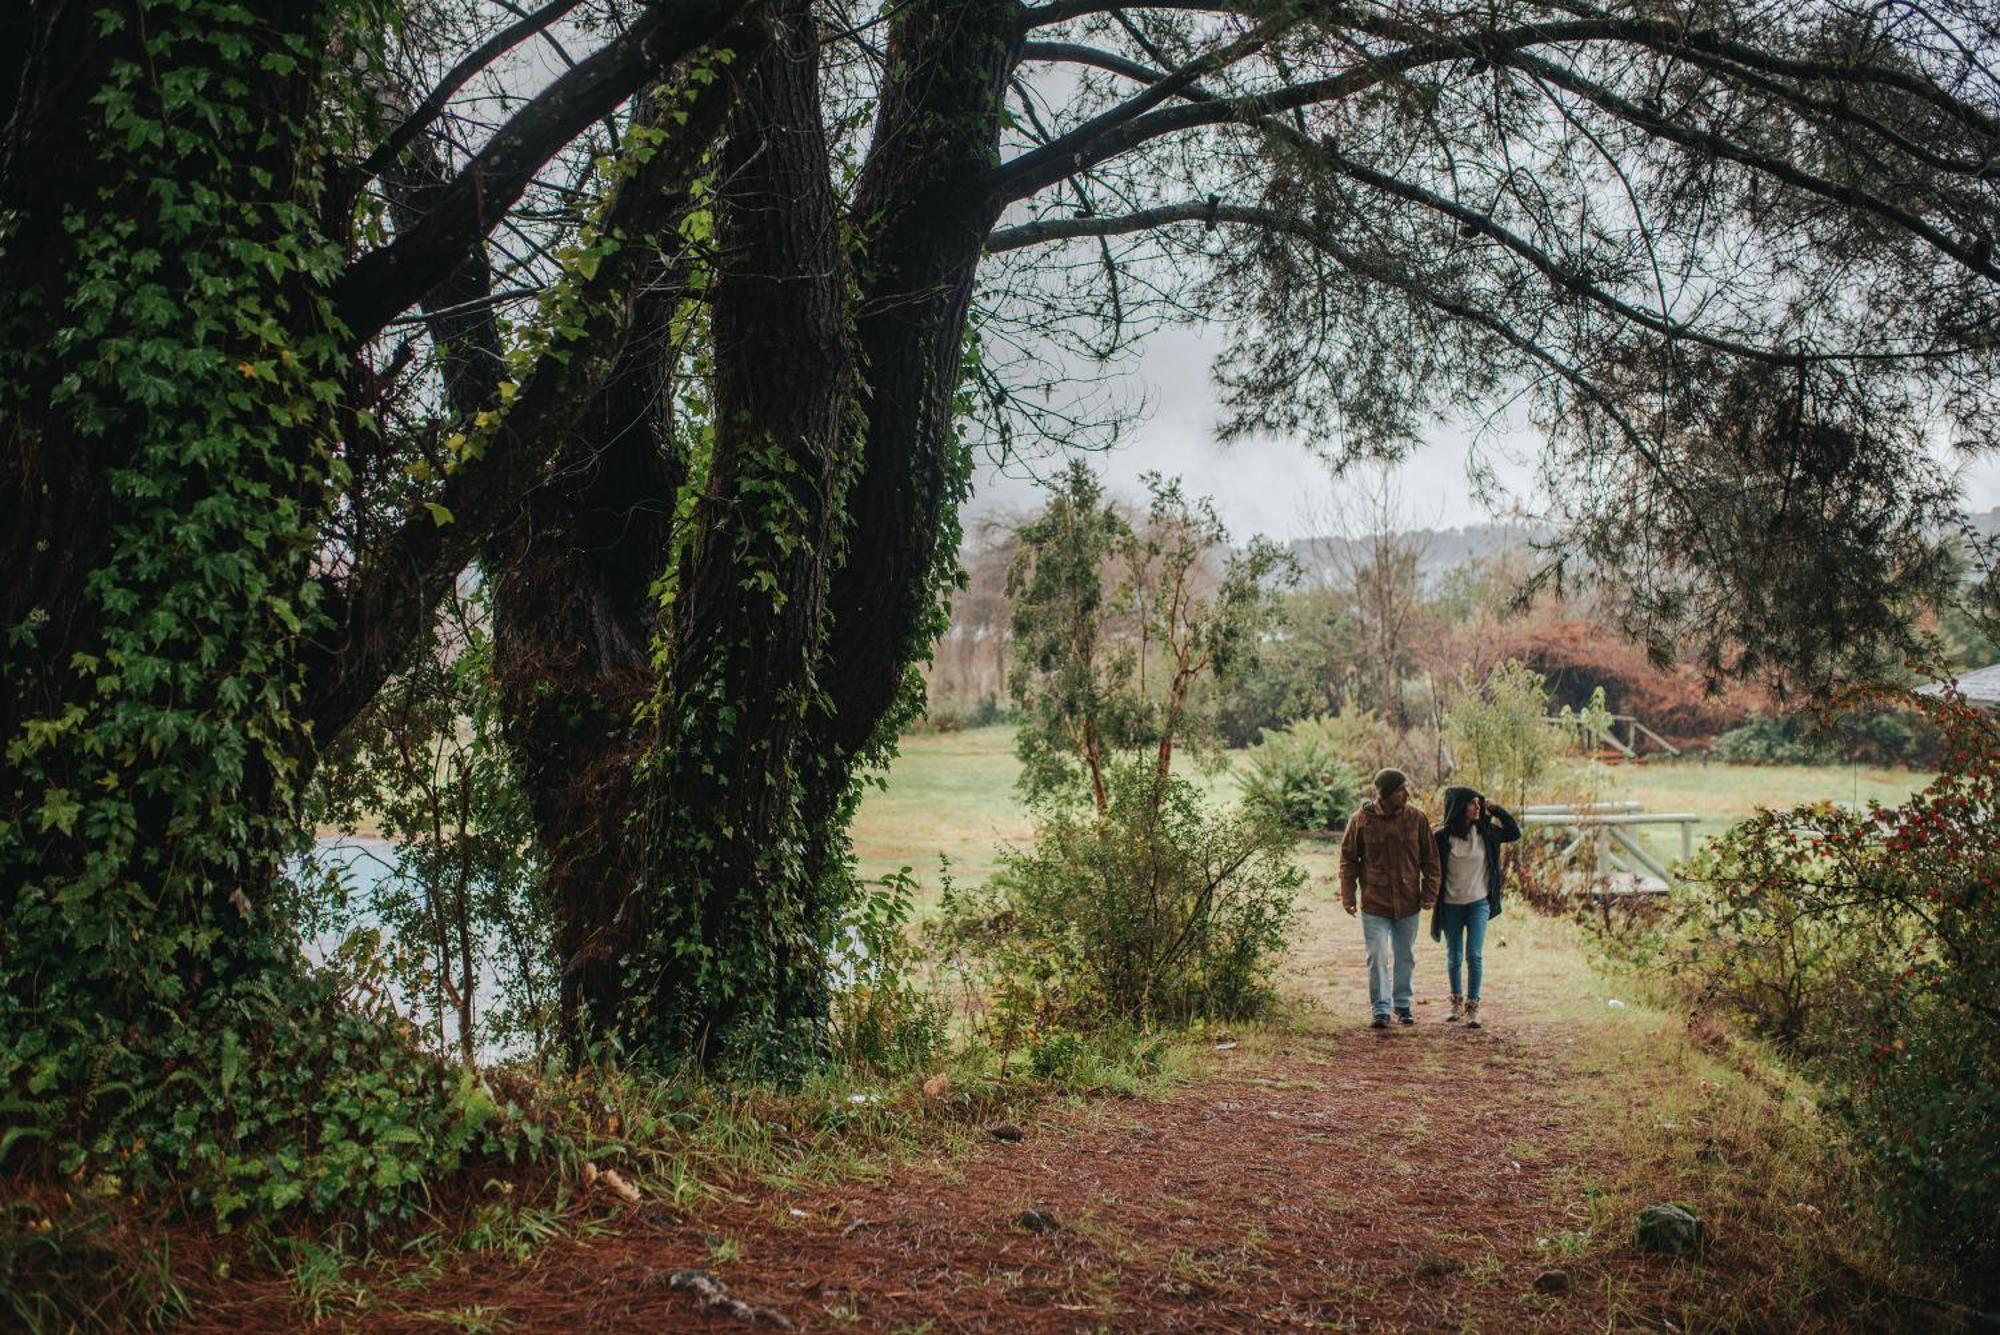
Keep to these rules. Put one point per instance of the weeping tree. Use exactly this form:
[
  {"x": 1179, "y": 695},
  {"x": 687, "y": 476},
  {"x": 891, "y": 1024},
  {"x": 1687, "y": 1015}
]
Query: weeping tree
[{"x": 310, "y": 308}]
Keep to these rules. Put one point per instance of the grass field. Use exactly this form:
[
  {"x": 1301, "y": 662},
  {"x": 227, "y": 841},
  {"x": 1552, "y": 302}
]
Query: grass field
[{"x": 953, "y": 793}]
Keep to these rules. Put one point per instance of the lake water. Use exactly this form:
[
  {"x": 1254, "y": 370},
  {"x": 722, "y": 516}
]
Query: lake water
[{"x": 364, "y": 864}]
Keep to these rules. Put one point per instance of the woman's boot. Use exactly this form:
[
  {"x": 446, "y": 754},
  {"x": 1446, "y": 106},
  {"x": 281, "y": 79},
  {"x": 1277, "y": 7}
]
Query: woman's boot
[
  {"x": 1472, "y": 1014},
  {"x": 1457, "y": 1011}
]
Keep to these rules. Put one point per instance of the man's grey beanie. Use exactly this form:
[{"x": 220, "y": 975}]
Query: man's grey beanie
[{"x": 1388, "y": 781}]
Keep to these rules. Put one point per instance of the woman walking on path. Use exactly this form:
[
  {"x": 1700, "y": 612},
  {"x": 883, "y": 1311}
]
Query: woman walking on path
[{"x": 1468, "y": 845}]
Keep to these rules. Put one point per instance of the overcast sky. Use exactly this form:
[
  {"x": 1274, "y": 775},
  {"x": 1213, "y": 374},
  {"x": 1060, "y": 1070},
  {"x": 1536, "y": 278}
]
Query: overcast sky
[{"x": 1266, "y": 486}]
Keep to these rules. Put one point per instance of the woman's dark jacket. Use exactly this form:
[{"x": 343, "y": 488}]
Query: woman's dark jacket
[{"x": 1495, "y": 827}]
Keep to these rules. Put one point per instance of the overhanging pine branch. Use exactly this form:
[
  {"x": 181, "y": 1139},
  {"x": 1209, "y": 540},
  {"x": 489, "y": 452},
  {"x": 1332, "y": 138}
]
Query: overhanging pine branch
[
  {"x": 1105, "y": 137},
  {"x": 1211, "y": 213},
  {"x": 1041, "y": 16},
  {"x": 1382, "y": 270},
  {"x": 1075, "y": 53},
  {"x": 1967, "y": 252}
]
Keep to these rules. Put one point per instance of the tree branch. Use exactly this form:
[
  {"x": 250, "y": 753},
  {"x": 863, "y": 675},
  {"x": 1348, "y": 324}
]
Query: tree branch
[
  {"x": 1075, "y": 53},
  {"x": 1675, "y": 39},
  {"x": 381, "y": 284},
  {"x": 460, "y": 74},
  {"x": 1061, "y": 11},
  {"x": 1978, "y": 259},
  {"x": 385, "y": 606},
  {"x": 1379, "y": 270},
  {"x": 1060, "y": 229},
  {"x": 1052, "y": 155},
  {"x": 1110, "y": 135}
]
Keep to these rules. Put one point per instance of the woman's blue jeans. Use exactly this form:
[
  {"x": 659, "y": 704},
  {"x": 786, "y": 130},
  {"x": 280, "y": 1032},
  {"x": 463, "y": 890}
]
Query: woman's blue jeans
[{"x": 1465, "y": 938}]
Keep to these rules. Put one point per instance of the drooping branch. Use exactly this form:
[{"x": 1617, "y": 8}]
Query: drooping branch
[
  {"x": 1076, "y": 53},
  {"x": 1678, "y": 39},
  {"x": 1212, "y": 212},
  {"x": 1968, "y": 252},
  {"x": 1381, "y": 270},
  {"x": 384, "y": 282},
  {"x": 1042, "y": 16},
  {"x": 1106, "y": 137},
  {"x": 1470, "y": 220}
]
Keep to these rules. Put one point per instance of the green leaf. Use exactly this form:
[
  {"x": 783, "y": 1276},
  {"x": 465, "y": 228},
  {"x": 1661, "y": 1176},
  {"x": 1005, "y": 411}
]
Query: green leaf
[
  {"x": 59, "y": 811},
  {"x": 16, "y": 1133}
]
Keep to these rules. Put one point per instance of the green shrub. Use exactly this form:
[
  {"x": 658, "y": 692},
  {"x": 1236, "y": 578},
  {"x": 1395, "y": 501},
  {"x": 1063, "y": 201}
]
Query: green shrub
[
  {"x": 1500, "y": 735},
  {"x": 1868, "y": 737},
  {"x": 1157, "y": 910},
  {"x": 1299, "y": 778},
  {"x": 1889, "y": 737},
  {"x": 1863, "y": 942},
  {"x": 1765, "y": 740}
]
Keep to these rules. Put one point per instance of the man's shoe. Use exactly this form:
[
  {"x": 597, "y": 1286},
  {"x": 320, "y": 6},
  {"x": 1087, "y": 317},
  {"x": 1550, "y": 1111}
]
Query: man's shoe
[
  {"x": 1379, "y": 1022},
  {"x": 1457, "y": 1011},
  {"x": 1406, "y": 1017}
]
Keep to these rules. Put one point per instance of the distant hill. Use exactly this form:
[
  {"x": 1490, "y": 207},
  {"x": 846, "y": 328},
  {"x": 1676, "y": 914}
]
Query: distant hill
[
  {"x": 1442, "y": 549},
  {"x": 1447, "y": 548}
]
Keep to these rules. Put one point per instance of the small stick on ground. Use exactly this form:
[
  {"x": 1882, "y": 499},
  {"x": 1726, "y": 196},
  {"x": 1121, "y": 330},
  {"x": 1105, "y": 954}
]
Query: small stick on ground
[{"x": 712, "y": 1295}]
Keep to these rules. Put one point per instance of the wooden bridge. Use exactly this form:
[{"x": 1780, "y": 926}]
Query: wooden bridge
[
  {"x": 1632, "y": 746},
  {"x": 1621, "y": 865}
]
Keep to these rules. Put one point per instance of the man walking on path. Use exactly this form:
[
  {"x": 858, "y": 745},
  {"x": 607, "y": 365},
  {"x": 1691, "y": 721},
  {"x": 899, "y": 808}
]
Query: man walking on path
[{"x": 1388, "y": 850}]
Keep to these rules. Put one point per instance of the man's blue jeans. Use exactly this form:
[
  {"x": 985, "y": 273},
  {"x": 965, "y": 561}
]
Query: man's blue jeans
[
  {"x": 1465, "y": 935},
  {"x": 1392, "y": 943}
]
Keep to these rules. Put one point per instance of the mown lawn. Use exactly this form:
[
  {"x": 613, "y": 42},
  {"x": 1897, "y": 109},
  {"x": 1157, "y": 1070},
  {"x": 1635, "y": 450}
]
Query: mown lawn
[{"x": 953, "y": 793}]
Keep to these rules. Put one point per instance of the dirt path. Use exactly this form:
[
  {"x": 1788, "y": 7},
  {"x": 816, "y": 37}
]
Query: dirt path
[
  {"x": 1353, "y": 1178},
  {"x": 1324, "y": 1176}
]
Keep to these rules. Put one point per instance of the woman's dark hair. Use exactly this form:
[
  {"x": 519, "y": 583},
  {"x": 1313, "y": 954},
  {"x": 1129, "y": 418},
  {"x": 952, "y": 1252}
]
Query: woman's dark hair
[{"x": 1457, "y": 807}]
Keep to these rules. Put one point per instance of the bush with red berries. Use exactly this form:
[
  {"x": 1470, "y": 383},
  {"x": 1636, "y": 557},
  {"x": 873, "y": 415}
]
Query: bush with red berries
[{"x": 1865, "y": 942}]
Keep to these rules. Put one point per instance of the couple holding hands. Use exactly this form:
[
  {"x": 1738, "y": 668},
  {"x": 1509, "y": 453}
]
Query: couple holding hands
[{"x": 1402, "y": 867}]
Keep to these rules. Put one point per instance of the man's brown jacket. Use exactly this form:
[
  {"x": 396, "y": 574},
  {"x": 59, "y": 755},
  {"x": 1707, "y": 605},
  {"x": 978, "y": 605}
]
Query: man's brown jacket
[{"x": 1394, "y": 859}]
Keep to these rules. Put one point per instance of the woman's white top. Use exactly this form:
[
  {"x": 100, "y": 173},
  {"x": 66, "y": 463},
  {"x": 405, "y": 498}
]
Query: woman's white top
[{"x": 1465, "y": 869}]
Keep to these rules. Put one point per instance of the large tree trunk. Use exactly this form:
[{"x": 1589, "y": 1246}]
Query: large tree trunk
[
  {"x": 732, "y": 926},
  {"x": 168, "y": 353},
  {"x": 575, "y": 618},
  {"x": 923, "y": 210},
  {"x": 573, "y": 598}
]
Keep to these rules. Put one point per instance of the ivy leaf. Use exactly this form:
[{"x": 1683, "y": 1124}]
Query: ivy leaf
[
  {"x": 439, "y": 515},
  {"x": 59, "y": 811}
]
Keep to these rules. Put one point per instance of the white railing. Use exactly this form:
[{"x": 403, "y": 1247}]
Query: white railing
[
  {"x": 1636, "y": 735},
  {"x": 1607, "y": 830}
]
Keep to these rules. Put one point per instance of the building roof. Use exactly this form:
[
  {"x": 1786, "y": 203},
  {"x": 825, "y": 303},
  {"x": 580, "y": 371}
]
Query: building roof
[{"x": 1979, "y": 687}]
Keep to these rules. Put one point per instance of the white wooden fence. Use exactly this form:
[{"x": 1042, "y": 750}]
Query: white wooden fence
[
  {"x": 1622, "y": 865},
  {"x": 1635, "y": 741}
]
